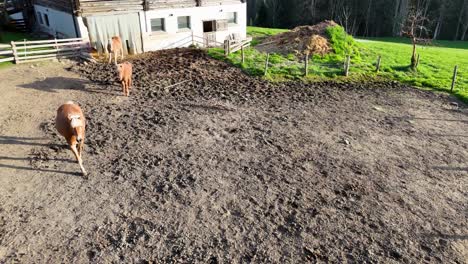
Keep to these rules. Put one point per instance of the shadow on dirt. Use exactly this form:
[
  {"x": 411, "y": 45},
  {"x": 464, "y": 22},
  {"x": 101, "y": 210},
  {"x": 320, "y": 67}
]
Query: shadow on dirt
[
  {"x": 36, "y": 159},
  {"x": 5, "y": 140},
  {"x": 39, "y": 170},
  {"x": 52, "y": 84}
]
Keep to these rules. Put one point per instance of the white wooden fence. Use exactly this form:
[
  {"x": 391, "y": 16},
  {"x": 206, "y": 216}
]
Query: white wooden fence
[
  {"x": 38, "y": 50},
  {"x": 203, "y": 42},
  {"x": 6, "y": 53},
  {"x": 231, "y": 46}
]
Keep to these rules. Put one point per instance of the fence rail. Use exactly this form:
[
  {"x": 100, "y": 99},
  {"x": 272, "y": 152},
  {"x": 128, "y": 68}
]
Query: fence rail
[
  {"x": 6, "y": 53},
  {"x": 194, "y": 40},
  {"x": 37, "y": 50},
  {"x": 231, "y": 46}
]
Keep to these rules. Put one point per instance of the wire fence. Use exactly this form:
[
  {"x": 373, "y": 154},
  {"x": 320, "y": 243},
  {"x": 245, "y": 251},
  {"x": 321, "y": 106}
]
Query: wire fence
[{"x": 257, "y": 63}]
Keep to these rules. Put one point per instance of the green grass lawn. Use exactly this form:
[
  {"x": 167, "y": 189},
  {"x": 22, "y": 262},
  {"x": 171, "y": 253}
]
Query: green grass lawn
[
  {"x": 7, "y": 37},
  {"x": 434, "y": 72},
  {"x": 436, "y": 64}
]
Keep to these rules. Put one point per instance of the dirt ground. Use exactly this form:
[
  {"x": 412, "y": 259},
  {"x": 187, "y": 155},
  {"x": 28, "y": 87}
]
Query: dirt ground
[{"x": 205, "y": 164}]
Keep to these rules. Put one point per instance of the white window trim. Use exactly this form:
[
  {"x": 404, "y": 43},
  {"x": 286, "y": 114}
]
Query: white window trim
[{"x": 184, "y": 30}]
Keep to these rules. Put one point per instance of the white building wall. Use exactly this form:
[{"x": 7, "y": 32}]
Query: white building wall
[
  {"x": 82, "y": 28},
  {"x": 59, "y": 22},
  {"x": 174, "y": 38}
]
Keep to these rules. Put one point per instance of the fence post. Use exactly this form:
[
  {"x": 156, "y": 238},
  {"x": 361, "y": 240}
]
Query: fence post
[
  {"x": 193, "y": 40},
  {"x": 306, "y": 66},
  {"x": 56, "y": 47},
  {"x": 226, "y": 48},
  {"x": 379, "y": 60},
  {"x": 25, "y": 52},
  {"x": 243, "y": 54},
  {"x": 348, "y": 60},
  {"x": 454, "y": 78},
  {"x": 15, "y": 54},
  {"x": 266, "y": 63},
  {"x": 417, "y": 61}
]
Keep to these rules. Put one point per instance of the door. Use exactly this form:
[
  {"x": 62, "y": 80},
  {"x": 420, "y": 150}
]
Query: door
[
  {"x": 103, "y": 28},
  {"x": 209, "y": 33}
]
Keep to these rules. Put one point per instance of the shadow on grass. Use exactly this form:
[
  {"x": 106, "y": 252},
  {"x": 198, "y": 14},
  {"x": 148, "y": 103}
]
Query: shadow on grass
[{"x": 403, "y": 68}]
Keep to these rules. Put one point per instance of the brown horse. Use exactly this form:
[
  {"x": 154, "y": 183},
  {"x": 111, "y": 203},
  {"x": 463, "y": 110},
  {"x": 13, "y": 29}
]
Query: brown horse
[
  {"x": 115, "y": 47},
  {"x": 71, "y": 124},
  {"x": 125, "y": 76}
]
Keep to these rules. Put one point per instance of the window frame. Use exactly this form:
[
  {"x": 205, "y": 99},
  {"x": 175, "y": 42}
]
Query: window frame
[
  {"x": 236, "y": 18},
  {"x": 163, "y": 25},
  {"x": 189, "y": 23},
  {"x": 39, "y": 18},
  {"x": 46, "y": 20}
]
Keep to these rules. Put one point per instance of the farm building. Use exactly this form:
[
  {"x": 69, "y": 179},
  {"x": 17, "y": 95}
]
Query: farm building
[{"x": 144, "y": 25}]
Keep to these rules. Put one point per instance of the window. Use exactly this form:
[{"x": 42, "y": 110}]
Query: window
[
  {"x": 209, "y": 26},
  {"x": 183, "y": 22},
  {"x": 39, "y": 18},
  {"x": 157, "y": 24},
  {"x": 46, "y": 18},
  {"x": 232, "y": 17}
]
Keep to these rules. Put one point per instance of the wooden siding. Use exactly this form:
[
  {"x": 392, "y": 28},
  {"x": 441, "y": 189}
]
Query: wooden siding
[
  {"x": 218, "y": 2},
  {"x": 164, "y": 4},
  {"x": 60, "y": 5},
  {"x": 90, "y": 7}
]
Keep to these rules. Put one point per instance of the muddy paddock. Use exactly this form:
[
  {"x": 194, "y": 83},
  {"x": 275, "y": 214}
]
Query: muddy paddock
[{"x": 203, "y": 163}]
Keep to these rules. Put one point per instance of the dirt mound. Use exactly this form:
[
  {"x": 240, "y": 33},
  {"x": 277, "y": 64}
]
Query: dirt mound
[
  {"x": 296, "y": 40},
  {"x": 317, "y": 45}
]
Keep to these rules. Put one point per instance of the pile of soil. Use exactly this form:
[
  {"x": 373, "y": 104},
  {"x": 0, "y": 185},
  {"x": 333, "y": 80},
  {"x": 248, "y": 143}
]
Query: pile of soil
[
  {"x": 296, "y": 40},
  {"x": 204, "y": 164}
]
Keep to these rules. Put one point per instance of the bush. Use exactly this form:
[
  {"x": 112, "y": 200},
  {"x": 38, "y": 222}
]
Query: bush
[{"x": 342, "y": 43}]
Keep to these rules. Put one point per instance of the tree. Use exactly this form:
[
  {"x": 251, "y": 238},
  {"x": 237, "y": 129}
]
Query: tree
[
  {"x": 412, "y": 28},
  {"x": 460, "y": 19},
  {"x": 368, "y": 16},
  {"x": 464, "y": 21},
  {"x": 401, "y": 11},
  {"x": 274, "y": 6},
  {"x": 442, "y": 11},
  {"x": 261, "y": 18},
  {"x": 376, "y": 18}
]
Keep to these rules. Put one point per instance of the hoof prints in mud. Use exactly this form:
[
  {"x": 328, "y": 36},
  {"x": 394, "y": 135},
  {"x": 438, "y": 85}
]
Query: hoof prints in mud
[
  {"x": 190, "y": 74},
  {"x": 228, "y": 168}
]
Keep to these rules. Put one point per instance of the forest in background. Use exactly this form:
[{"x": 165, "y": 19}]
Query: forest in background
[{"x": 447, "y": 19}]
